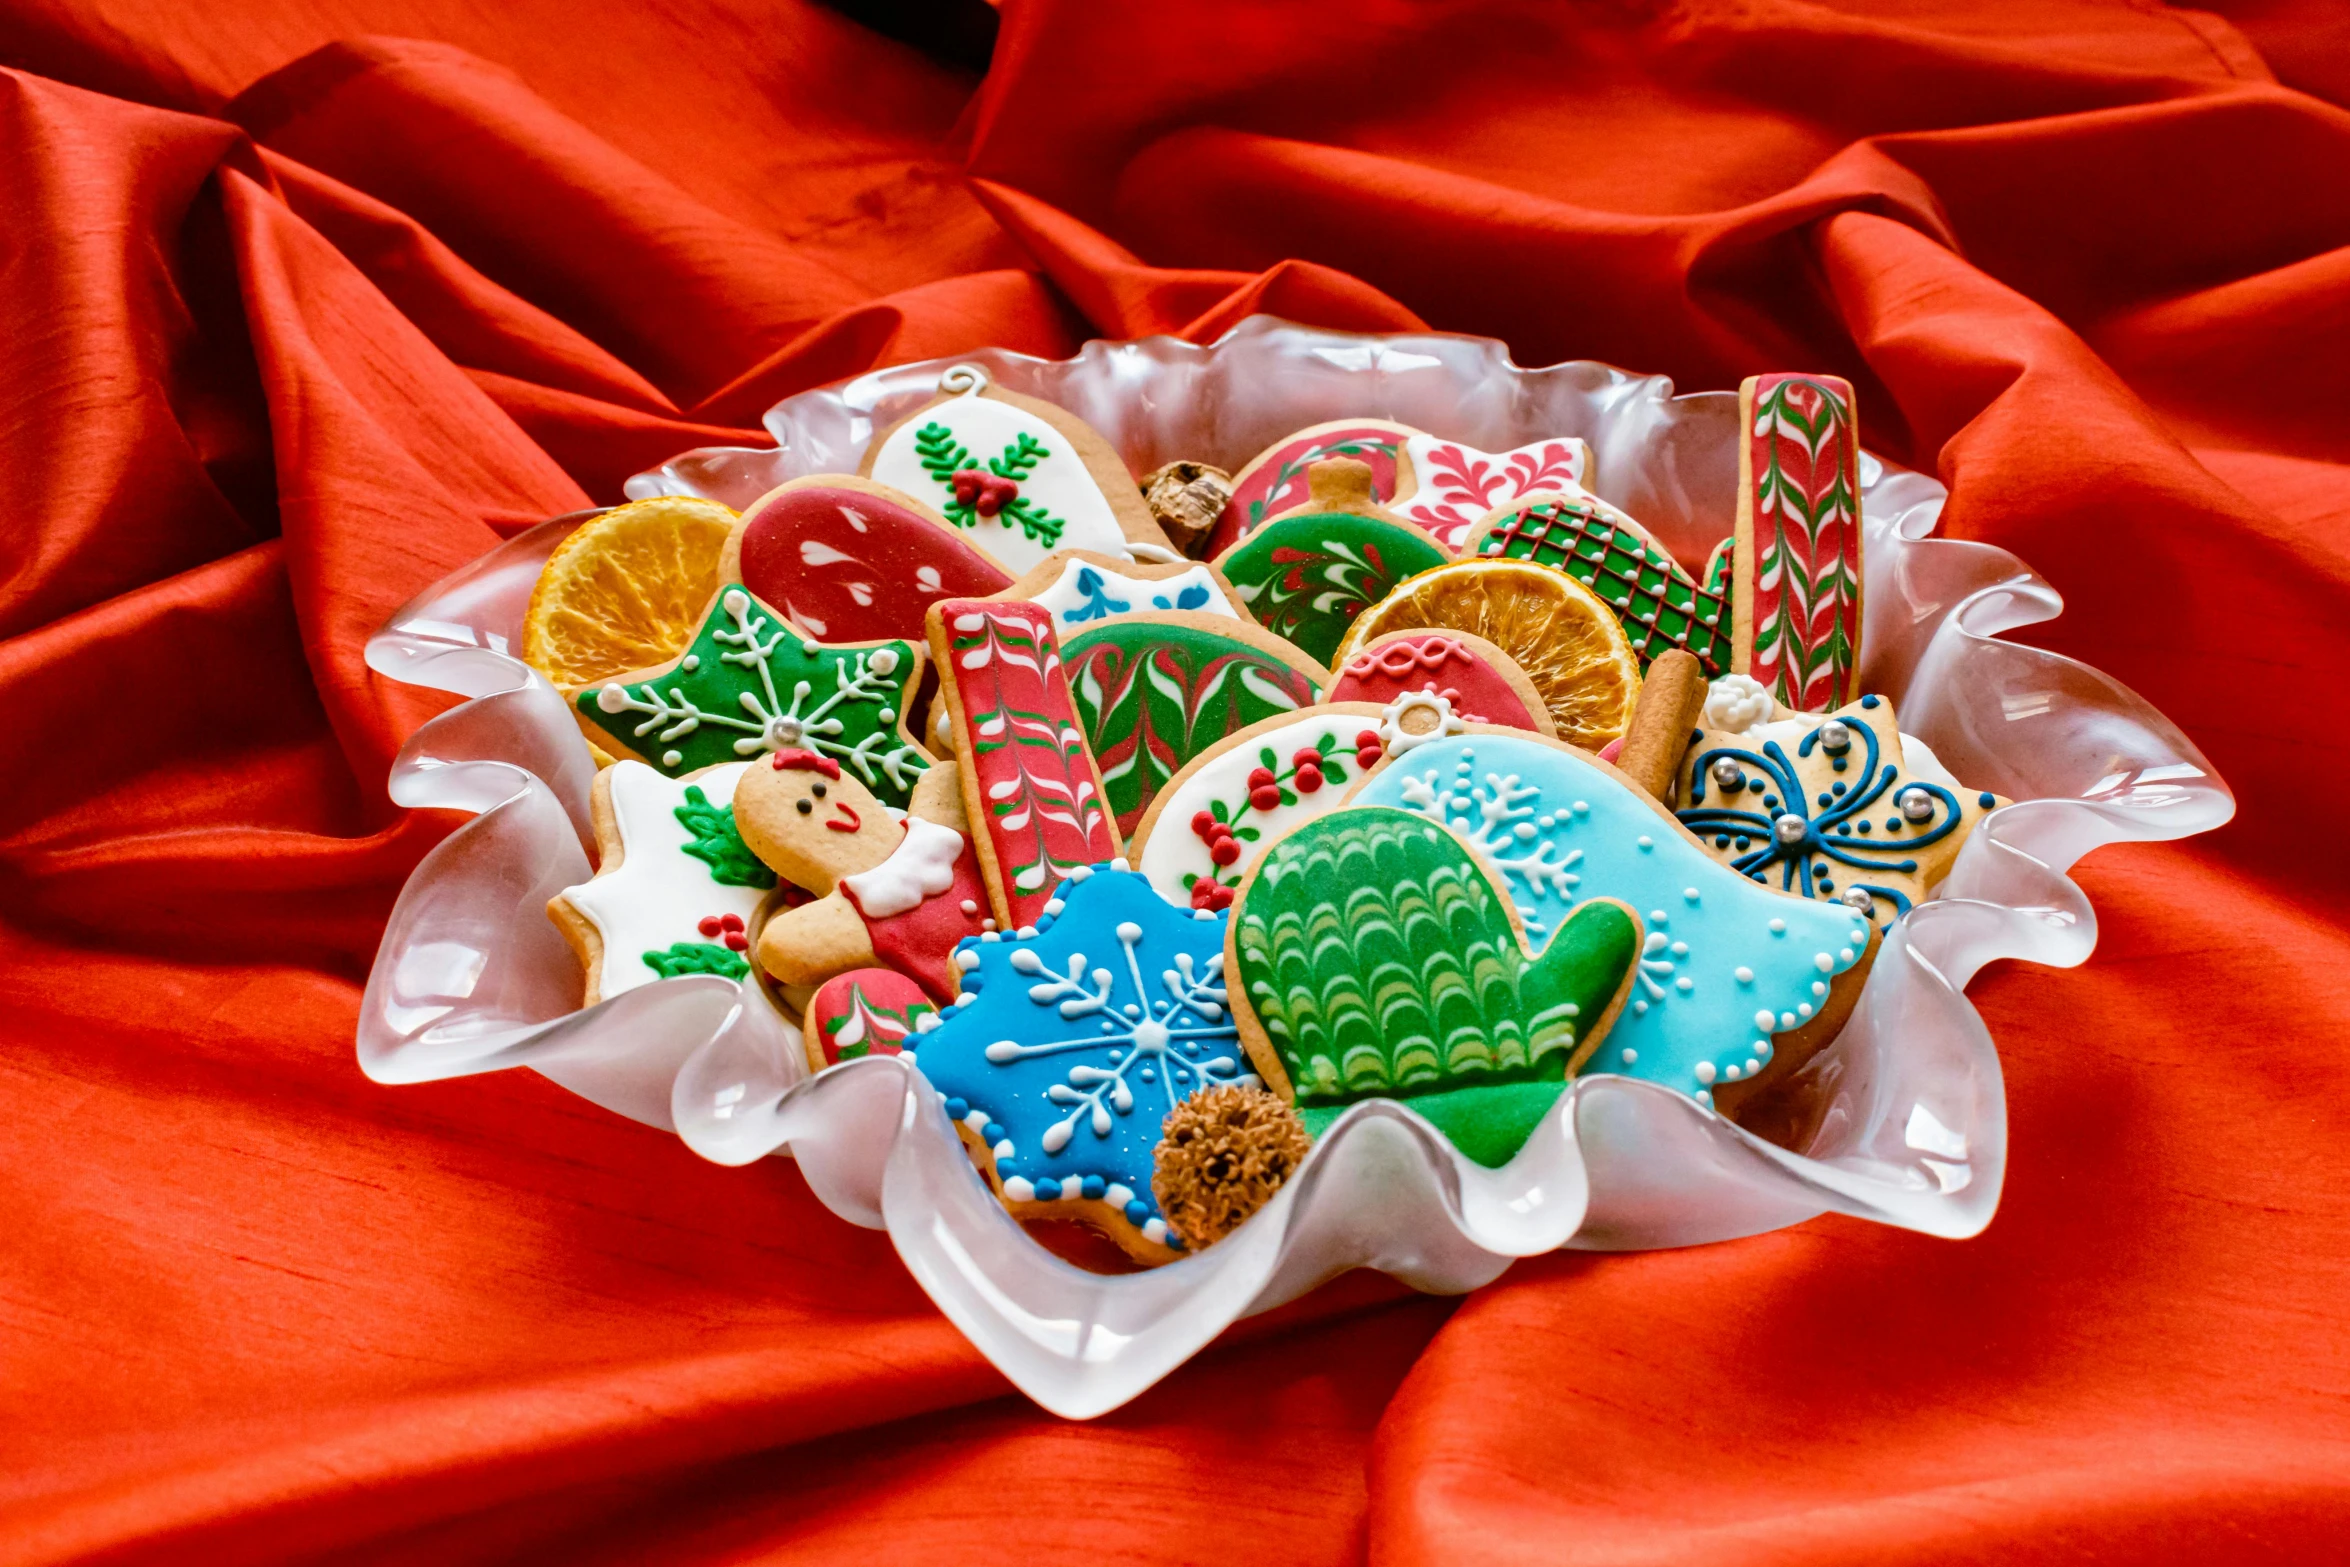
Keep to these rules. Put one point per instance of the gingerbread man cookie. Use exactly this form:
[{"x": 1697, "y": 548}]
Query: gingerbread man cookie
[{"x": 887, "y": 892}]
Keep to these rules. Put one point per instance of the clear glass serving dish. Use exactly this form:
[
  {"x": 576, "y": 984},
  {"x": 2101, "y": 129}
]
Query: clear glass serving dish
[{"x": 472, "y": 977}]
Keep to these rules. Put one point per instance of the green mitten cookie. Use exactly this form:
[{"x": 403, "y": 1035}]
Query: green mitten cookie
[{"x": 1378, "y": 959}]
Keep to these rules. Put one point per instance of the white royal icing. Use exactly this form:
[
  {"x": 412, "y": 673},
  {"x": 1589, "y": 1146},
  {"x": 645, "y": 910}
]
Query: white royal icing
[
  {"x": 1736, "y": 704},
  {"x": 921, "y": 866},
  {"x": 1174, "y": 851},
  {"x": 1060, "y": 482},
  {"x": 1455, "y": 484},
  {"x": 658, "y": 894},
  {"x": 1086, "y": 594}
]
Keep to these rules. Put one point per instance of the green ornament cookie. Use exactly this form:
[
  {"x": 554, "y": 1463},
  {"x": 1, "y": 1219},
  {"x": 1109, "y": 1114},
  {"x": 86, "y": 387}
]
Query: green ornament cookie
[
  {"x": 1308, "y": 575},
  {"x": 1376, "y": 958},
  {"x": 1154, "y": 691}
]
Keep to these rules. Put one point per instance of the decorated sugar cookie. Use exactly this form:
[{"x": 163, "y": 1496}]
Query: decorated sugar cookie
[
  {"x": 1477, "y": 680},
  {"x": 1374, "y": 957},
  {"x": 1153, "y": 691},
  {"x": 1456, "y": 486},
  {"x": 1796, "y": 571},
  {"x": 1725, "y": 965},
  {"x": 1309, "y": 573},
  {"x": 848, "y": 560},
  {"x": 1830, "y": 806},
  {"x": 1217, "y": 815},
  {"x": 889, "y": 891},
  {"x": 1081, "y": 590},
  {"x": 751, "y": 683},
  {"x": 1072, "y": 1041},
  {"x": 1274, "y": 481},
  {"x": 1660, "y": 605},
  {"x": 675, "y": 890},
  {"x": 867, "y": 1011},
  {"x": 1568, "y": 643},
  {"x": 1021, "y": 478},
  {"x": 1031, "y": 792}
]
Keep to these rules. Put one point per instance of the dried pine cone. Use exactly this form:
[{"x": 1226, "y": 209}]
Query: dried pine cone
[
  {"x": 1187, "y": 498},
  {"x": 1223, "y": 1153}
]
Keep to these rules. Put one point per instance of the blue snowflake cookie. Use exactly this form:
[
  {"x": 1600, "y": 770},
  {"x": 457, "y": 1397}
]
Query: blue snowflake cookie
[{"x": 1073, "y": 1038}]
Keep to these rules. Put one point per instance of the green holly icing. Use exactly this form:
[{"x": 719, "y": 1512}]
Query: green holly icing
[
  {"x": 1381, "y": 962},
  {"x": 1659, "y": 604},
  {"x": 942, "y": 457},
  {"x": 749, "y": 682},
  {"x": 712, "y": 838},
  {"x": 698, "y": 957},
  {"x": 1308, "y": 576},
  {"x": 1152, "y": 696}
]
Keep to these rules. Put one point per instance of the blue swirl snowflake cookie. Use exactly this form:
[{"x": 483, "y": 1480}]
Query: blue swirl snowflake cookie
[
  {"x": 1071, "y": 1041},
  {"x": 1830, "y": 806}
]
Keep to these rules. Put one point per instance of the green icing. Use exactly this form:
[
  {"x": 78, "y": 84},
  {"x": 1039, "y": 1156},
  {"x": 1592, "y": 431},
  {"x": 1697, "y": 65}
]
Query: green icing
[
  {"x": 1381, "y": 962},
  {"x": 750, "y": 682},
  {"x": 1658, "y": 603},
  {"x": 1308, "y": 576},
  {"x": 698, "y": 957},
  {"x": 712, "y": 838},
  {"x": 1151, "y": 696}
]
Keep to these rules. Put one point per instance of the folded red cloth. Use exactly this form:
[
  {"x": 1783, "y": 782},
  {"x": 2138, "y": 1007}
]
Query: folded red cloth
[{"x": 300, "y": 315}]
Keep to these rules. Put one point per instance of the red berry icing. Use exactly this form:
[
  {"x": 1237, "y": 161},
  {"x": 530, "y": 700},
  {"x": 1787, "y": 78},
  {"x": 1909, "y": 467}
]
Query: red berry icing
[
  {"x": 710, "y": 925},
  {"x": 1309, "y": 779},
  {"x": 1224, "y": 850},
  {"x": 1203, "y": 824},
  {"x": 1259, "y": 777}
]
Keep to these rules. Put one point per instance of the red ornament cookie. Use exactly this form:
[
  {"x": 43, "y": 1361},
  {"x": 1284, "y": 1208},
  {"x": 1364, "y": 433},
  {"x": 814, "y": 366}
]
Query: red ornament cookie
[
  {"x": 1275, "y": 479},
  {"x": 1482, "y": 684},
  {"x": 848, "y": 560}
]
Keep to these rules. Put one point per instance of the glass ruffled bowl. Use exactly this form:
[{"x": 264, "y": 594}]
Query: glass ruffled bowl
[{"x": 1911, "y": 1127}]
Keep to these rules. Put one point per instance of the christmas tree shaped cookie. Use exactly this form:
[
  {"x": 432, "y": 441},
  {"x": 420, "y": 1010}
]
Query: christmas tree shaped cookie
[
  {"x": 751, "y": 683},
  {"x": 1375, "y": 957},
  {"x": 675, "y": 891},
  {"x": 1019, "y": 477}
]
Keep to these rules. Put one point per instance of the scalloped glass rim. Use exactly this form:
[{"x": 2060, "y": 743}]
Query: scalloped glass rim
[{"x": 472, "y": 977}]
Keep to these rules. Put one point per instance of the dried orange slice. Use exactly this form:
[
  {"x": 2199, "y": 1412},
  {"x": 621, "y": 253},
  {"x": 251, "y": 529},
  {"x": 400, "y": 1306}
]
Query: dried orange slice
[
  {"x": 625, "y": 590},
  {"x": 1568, "y": 642}
]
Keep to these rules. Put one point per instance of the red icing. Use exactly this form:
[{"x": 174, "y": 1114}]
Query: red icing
[
  {"x": 920, "y": 943},
  {"x": 1432, "y": 661},
  {"x": 804, "y": 761},
  {"x": 850, "y": 566},
  {"x": 842, "y": 808},
  {"x": 889, "y": 1000}
]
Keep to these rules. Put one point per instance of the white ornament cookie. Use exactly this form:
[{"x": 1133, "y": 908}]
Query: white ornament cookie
[
  {"x": 1018, "y": 477},
  {"x": 1457, "y": 486}
]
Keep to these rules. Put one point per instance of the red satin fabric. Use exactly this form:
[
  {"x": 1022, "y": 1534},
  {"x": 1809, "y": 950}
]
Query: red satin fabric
[{"x": 307, "y": 305}]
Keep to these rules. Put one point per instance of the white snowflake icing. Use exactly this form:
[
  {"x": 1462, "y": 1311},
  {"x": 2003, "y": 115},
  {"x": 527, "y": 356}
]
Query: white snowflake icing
[{"x": 1490, "y": 811}]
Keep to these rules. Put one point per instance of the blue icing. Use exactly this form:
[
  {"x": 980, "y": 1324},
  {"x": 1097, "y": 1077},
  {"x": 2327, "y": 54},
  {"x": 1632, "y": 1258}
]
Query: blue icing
[
  {"x": 1076, "y": 1041},
  {"x": 1193, "y": 597},
  {"x": 1095, "y": 601},
  {"x": 1561, "y": 830}
]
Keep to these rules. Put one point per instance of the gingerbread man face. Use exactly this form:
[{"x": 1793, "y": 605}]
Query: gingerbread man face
[{"x": 798, "y": 809}]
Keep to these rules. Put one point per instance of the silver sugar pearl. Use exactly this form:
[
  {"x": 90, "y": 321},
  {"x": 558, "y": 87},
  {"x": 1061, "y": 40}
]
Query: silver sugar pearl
[
  {"x": 1916, "y": 805},
  {"x": 1835, "y": 739},
  {"x": 1790, "y": 828},
  {"x": 1858, "y": 899},
  {"x": 1727, "y": 773}
]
